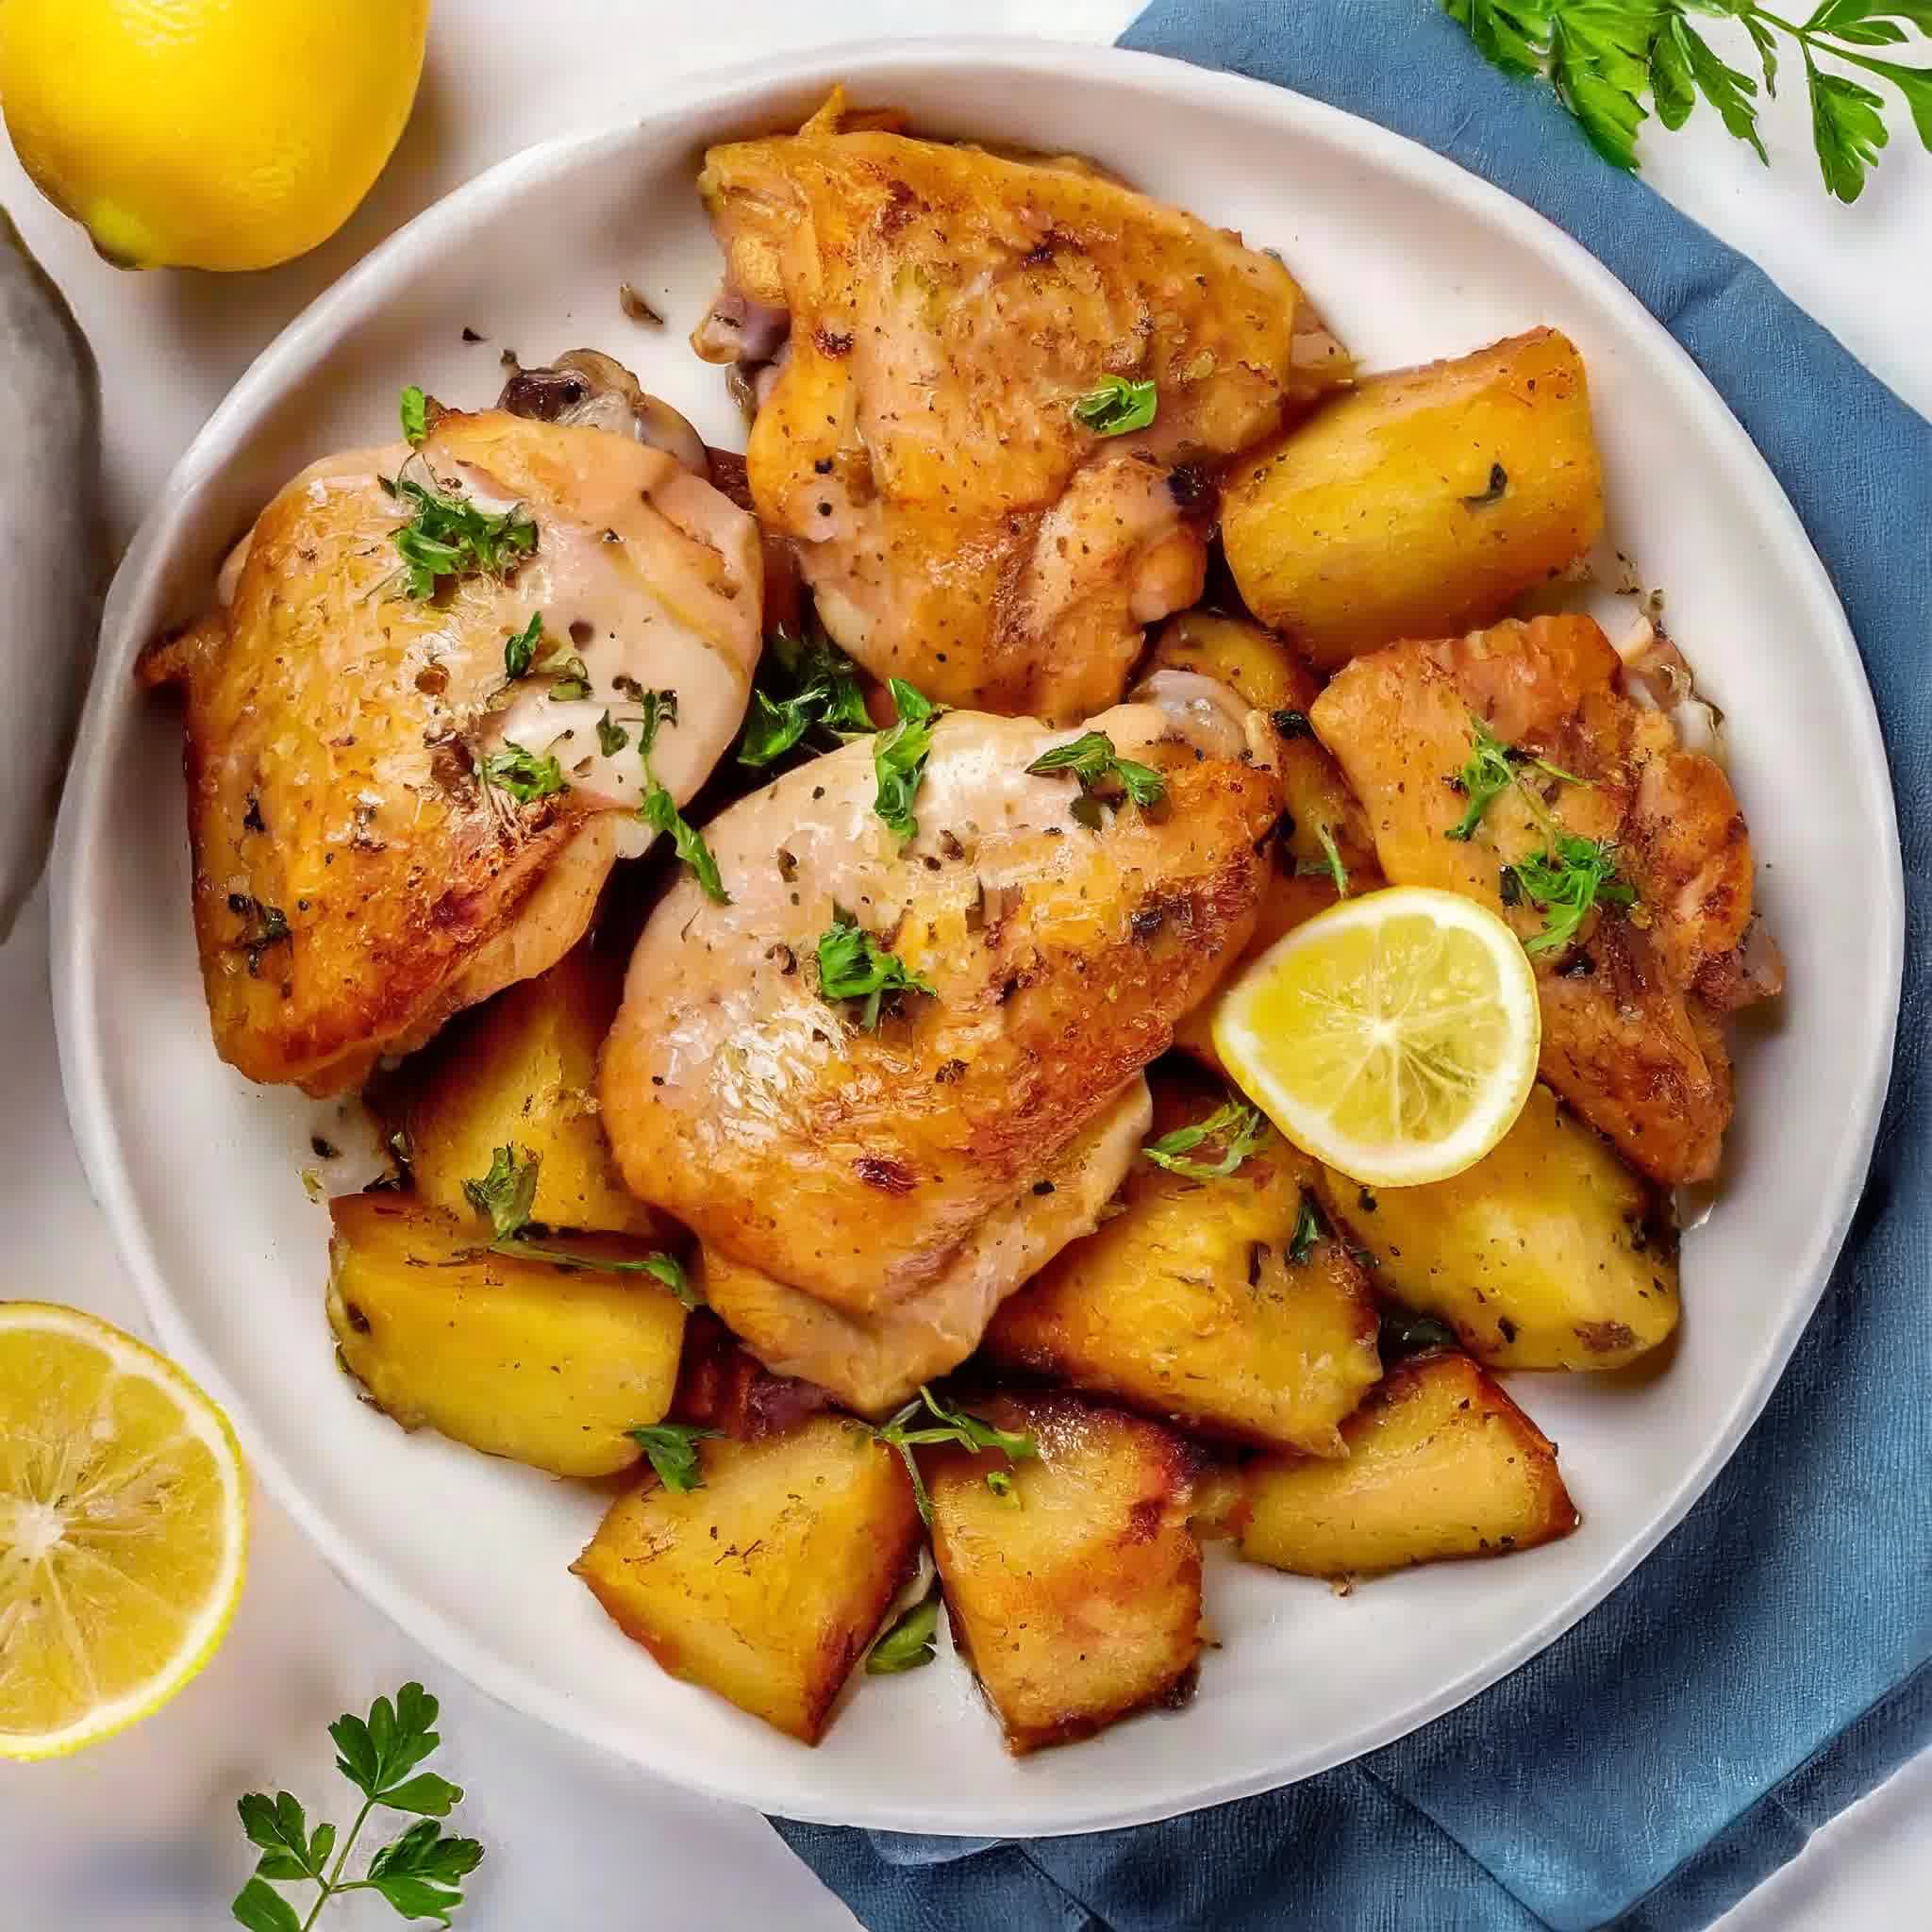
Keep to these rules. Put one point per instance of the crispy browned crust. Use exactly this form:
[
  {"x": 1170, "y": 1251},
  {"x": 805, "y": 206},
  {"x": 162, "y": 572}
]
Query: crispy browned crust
[
  {"x": 1082, "y": 1604},
  {"x": 722, "y": 1386}
]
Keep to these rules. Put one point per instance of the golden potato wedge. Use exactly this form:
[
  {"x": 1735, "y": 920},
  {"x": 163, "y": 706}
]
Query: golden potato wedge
[
  {"x": 1077, "y": 1595},
  {"x": 548, "y": 1366},
  {"x": 1421, "y": 503},
  {"x": 1542, "y": 1255},
  {"x": 1440, "y": 1463},
  {"x": 766, "y": 1583},
  {"x": 1187, "y": 1305},
  {"x": 521, "y": 1070}
]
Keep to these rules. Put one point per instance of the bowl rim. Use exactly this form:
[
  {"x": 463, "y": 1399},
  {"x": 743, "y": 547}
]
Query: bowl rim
[{"x": 749, "y": 89}]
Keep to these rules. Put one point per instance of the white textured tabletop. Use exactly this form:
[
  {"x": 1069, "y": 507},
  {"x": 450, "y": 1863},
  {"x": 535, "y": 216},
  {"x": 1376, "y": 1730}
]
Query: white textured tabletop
[{"x": 138, "y": 1836}]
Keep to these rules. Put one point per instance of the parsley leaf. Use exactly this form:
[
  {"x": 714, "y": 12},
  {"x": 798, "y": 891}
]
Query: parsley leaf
[
  {"x": 899, "y": 755},
  {"x": 448, "y": 538},
  {"x": 1310, "y": 1227},
  {"x": 570, "y": 678},
  {"x": 1490, "y": 771},
  {"x": 659, "y": 811},
  {"x": 804, "y": 685},
  {"x": 505, "y": 1197},
  {"x": 948, "y": 1426},
  {"x": 908, "y": 1643},
  {"x": 852, "y": 967},
  {"x": 379, "y": 1755},
  {"x": 1406, "y": 1333},
  {"x": 673, "y": 1448},
  {"x": 414, "y": 408},
  {"x": 1115, "y": 405},
  {"x": 522, "y": 773},
  {"x": 1331, "y": 861},
  {"x": 611, "y": 739},
  {"x": 1566, "y": 885},
  {"x": 1512, "y": 33},
  {"x": 1095, "y": 764},
  {"x": 520, "y": 648},
  {"x": 1240, "y": 1128},
  {"x": 1847, "y": 126}
]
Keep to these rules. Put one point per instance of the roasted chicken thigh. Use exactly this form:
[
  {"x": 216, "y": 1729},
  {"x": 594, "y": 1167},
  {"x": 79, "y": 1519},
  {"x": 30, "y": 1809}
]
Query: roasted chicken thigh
[
  {"x": 924, "y": 318},
  {"x": 393, "y": 813},
  {"x": 913, "y": 1167}
]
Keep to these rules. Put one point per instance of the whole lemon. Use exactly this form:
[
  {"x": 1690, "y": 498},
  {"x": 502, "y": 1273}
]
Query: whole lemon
[{"x": 217, "y": 134}]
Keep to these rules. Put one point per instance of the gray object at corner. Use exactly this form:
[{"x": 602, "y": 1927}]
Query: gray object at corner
[{"x": 50, "y": 555}]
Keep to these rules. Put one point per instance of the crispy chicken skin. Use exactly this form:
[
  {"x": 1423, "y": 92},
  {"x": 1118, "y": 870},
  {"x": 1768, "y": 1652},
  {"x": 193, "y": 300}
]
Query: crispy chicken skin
[
  {"x": 946, "y": 305},
  {"x": 866, "y": 1168},
  {"x": 1631, "y": 1007},
  {"x": 354, "y": 884}
]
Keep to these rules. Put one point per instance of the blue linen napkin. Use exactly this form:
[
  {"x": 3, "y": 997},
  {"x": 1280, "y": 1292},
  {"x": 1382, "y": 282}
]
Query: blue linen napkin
[{"x": 1772, "y": 1660}]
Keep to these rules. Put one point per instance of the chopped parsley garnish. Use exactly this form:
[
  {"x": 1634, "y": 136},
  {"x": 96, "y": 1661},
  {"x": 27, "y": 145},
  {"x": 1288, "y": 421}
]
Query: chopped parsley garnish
[
  {"x": 1310, "y": 1227},
  {"x": 909, "y": 1643},
  {"x": 522, "y": 773},
  {"x": 571, "y": 680},
  {"x": 611, "y": 739},
  {"x": 948, "y": 1426},
  {"x": 673, "y": 1448},
  {"x": 852, "y": 967},
  {"x": 804, "y": 685},
  {"x": 659, "y": 811},
  {"x": 1292, "y": 723},
  {"x": 1238, "y": 1125},
  {"x": 1332, "y": 861},
  {"x": 520, "y": 648},
  {"x": 1405, "y": 1333},
  {"x": 267, "y": 925},
  {"x": 1099, "y": 769},
  {"x": 1581, "y": 874},
  {"x": 899, "y": 755},
  {"x": 1115, "y": 405},
  {"x": 1499, "y": 487},
  {"x": 1489, "y": 773},
  {"x": 505, "y": 1196},
  {"x": 414, "y": 408},
  {"x": 448, "y": 538}
]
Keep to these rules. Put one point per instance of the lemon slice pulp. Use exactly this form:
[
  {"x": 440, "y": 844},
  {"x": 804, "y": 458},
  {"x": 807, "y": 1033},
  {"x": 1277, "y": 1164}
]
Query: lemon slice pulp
[
  {"x": 123, "y": 1529},
  {"x": 1394, "y": 1037}
]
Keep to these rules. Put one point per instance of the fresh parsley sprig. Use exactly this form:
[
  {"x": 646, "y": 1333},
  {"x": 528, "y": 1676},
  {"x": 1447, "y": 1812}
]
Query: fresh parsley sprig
[
  {"x": 1490, "y": 770},
  {"x": 505, "y": 1196},
  {"x": 1115, "y": 405},
  {"x": 1102, "y": 775},
  {"x": 522, "y": 773},
  {"x": 1239, "y": 1126},
  {"x": 805, "y": 685},
  {"x": 1605, "y": 57},
  {"x": 413, "y": 407},
  {"x": 446, "y": 538},
  {"x": 673, "y": 1448},
  {"x": 852, "y": 967},
  {"x": 660, "y": 810},
  {"x": 1565, "y": 883},
  {"x": 907, "y": 1644},
  {"x": 899, "y": 755},
  {"x": 947, "y": 1425},
  {"x": 420, "y": 1874},
  {"x": 1311, "y": 1226}
]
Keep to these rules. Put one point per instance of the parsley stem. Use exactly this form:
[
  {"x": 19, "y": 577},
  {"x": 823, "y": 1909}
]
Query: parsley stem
[{"x": 332, "y": 1884}]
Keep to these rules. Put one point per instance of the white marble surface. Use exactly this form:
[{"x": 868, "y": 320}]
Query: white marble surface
[{"x": 139, "y": 1834}]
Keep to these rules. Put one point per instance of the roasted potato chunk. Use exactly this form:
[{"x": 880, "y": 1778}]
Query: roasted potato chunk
[
  {"x": 1421, "y": 503},
  {"x": 1440, "y": 1463},
  {"x": 522, "y": 1072},
  {"x": 1077, "y": 1595},
  {"x": 766, "y": 1582},
  {"x": 1187, "y": 1303},
  {"x": 546, "y": 1365},
  {"x": 1542, "y": 1255}
]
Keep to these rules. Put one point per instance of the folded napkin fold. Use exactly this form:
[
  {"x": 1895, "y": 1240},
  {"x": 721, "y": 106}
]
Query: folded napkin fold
[{"x": 1772, "y": 1659}]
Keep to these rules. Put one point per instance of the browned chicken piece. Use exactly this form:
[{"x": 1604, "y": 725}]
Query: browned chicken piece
[
  {"x": 924, "y": 317},
  {"x": 925, "y": 1156},
  {"x": 364, "y": 866},
  {"x": 1631, "y": 1005}
]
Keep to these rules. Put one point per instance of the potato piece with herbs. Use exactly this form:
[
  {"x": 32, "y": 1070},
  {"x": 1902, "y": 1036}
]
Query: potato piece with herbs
[
  {"x": 1440, "y": 1463},
  {"x": 766, "y": 1582},
  {"x": 522, "y": 1072},
  {"x": 1544, "y": 1255},
  {"x": 546, "y": 1365},
  {"x": 1073, "y": 1579},
  {"x": 1421, "y": 503},
  {"x": 1199, "y": 1302}
]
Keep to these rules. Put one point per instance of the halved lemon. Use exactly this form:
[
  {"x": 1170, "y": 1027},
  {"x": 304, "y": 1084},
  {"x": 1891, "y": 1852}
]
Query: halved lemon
[
  {"x": 124, "y": 1529},
  {"x": 1394, "y": 1037}
]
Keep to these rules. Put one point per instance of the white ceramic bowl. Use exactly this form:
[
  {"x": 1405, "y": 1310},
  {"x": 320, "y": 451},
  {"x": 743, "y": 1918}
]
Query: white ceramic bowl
[{"x": 199, "y": 1172}]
